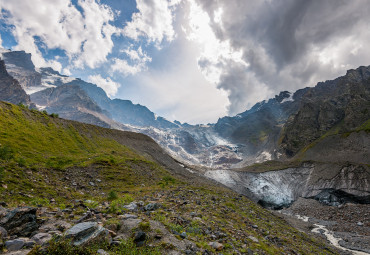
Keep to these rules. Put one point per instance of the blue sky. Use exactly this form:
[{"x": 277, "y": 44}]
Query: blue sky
[{"x": 191, "y": 60}]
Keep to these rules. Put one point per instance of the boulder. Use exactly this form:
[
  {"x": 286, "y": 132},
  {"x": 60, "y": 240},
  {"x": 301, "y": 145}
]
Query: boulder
[
  {"x": 216, "y": 245},
  {"x": 86, "y": 233},
  {"x": 17, "y": 244},
  {"x": 20, "y": 221},
  {"x": 132, "y": 206},
  {"x": 42, "y": 238},
  {"x": 151, "y": 206},
  {"x": 127, "y": 216}
]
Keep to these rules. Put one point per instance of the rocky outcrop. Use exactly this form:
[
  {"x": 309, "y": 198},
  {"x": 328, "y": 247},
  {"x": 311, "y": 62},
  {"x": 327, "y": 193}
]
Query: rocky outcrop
[
  {"x": 10, "y": 89},
  {"x": 87, "y": 233},
  {"x": 20, "y": 221}
]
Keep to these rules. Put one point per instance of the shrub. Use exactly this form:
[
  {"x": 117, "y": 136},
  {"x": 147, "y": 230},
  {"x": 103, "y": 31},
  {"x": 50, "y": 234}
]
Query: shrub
[
  {"x": 112, "y": 195},
  {"x": 166, "y": 180},
  {"x": 54, "y": 115},
  {"x": 6, "y": 152}
]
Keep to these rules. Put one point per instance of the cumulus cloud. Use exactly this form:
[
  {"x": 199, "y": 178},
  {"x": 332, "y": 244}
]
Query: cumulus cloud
[
  {"x": 138, "y": 60},
  {"x": 154, "y": 21},
  {"x": 109, "y": 86},
  {"x": 85, "y": 37},
  {"x": 287, "y": 44}
]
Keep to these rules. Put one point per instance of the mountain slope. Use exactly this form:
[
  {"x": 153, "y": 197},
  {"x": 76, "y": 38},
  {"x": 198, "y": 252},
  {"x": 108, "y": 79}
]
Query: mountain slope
[{"x": 67, "y": 160}]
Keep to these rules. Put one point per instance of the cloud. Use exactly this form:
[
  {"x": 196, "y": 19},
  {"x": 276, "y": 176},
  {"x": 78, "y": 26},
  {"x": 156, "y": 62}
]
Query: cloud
[
  {"x": 137, "y": 61},
  {"x": 153, "y": 22},
  {"x": 109, "y": 86},
  {"x": 86, "y": 38},
  {"x": 287, "y": 44},
  {"x": 218, "y": 61}
]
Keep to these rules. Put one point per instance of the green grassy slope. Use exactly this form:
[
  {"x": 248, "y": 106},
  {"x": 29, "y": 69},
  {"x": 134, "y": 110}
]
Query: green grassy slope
[{"x": 43, "y": 157}]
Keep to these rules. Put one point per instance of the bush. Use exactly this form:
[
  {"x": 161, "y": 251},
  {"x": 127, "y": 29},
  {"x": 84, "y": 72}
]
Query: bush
[
  {"x": 166, "y": 180},
  {"x": 6, "y": 152},
  {"x": 112, "y": 195},
  {"x": 54, "y": 115}
]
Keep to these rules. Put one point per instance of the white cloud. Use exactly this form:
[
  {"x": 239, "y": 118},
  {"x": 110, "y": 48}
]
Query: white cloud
[
  {"x": 138, "y": 60},
  {"x": 109, "y": 86},
  {"x": 86, "y": 38},
  {"x": 154, "y": 21}
]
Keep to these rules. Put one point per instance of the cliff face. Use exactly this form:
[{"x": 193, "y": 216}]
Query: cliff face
[
  {"x": 21, "y": 67},
  {"x": 332, "y": 107},
  {"x": 10, "y": 89}
]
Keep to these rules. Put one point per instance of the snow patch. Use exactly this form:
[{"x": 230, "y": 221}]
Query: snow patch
[{"x": 288, "y": 99}]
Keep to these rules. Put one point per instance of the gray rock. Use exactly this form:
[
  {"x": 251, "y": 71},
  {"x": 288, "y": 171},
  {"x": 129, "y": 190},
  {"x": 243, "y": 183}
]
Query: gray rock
[
  {"x": 360, "y": 224},
  {"x": 15, "y": 245},
  {"x": 3, "y": 233},
  {"x": 132, "y": 206},
  {"x": 29, "y": 243},
  {"x": 42, "y": 238},
  {"x": 127, "y": 216},
  {"x": 216, "y": 245},
  {"x": 86, "y": 233},
  {"x": 151, "y": 206},
  {"x": 183, "y": 235},
  {"x": 253, "y": 239},
  {"x": 102, "y": 252},
  {"x": 20, "y": 221}
]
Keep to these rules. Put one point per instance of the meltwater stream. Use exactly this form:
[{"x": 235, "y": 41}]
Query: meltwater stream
[{"x": 320, "y": 229}]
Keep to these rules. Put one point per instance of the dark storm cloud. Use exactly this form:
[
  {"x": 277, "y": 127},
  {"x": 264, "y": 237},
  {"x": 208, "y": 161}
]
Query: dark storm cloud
[{"x": 290, "y": 44}]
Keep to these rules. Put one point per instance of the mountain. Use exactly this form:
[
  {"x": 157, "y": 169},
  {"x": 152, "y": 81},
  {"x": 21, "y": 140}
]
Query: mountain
[
  {"x": 10, "y": 89},
  {"x": 123, "y": 111},
  {"x": 145, "y": 202},
  {"x": 71, "y": 102}
]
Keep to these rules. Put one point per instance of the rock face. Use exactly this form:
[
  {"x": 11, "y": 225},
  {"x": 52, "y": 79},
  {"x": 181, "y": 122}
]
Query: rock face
[
  {"x": 21, "y": 67},
  {"x": 87, "y": 233},
  {"x": 10, "y": 89},
  {"x": 20, "y": 221},
  {"x": 342, "y": 104}
]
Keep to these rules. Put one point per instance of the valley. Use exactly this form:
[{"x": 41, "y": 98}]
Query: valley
[{"x": 227, "y": 187}]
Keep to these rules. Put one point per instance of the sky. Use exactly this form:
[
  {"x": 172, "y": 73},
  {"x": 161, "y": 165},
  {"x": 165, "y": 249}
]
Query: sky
[{"x": 192, "y": 60}]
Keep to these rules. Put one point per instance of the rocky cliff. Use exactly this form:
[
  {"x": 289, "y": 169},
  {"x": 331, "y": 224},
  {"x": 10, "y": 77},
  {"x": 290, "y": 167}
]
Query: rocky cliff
[
  {"x": 21, "y": 67},
  {"x": 10, "y": 89}
]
